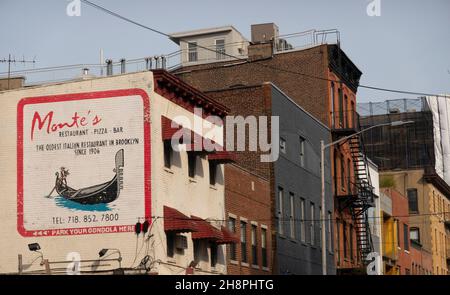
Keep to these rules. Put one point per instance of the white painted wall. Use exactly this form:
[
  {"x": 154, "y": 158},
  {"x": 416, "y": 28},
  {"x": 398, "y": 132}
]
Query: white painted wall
[
  {"x": 172, "y": 188},
  {"x": 374, "y": 214},
  {"x": 233, "y": 41}
]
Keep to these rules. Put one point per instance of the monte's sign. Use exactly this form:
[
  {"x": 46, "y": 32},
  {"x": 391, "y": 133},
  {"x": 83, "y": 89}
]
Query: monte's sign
[{"x": 83, "y": 163}]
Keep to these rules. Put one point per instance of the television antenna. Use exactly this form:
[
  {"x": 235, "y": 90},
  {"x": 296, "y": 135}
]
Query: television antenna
[{"x": 13, "y": 60}]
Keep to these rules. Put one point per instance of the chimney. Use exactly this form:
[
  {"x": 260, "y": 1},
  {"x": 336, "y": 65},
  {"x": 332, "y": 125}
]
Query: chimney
[
  {"x": 263, "y": 36},
  {"x": 264, "y": 33},
  {"x": 109, "y": 67},
  {"x": 122, "y": 66},
  {"x": 85, "y": 72}
]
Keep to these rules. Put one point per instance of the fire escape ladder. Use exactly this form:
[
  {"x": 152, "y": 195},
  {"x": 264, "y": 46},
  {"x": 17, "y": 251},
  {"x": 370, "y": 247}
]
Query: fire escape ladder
[{"x": 363, "y": 199}]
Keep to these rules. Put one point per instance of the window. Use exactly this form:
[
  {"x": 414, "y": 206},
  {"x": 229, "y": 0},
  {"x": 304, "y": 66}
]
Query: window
[
  {"x": 302, "y": 221},
  {"x": 213, "y": 249},
  {"x": 264, "y": 246},
  {"x": 349, "y": 177},
  {"x": 344, "y": 229},
  {"x": 192, "y": 162},
  {"x": 167, "y": 153},
  {"x": 192, "y": 51},
  {"x": 170, "y": 238},
  {"x": 302, "y": 151},
  {"x": 280, "y": 211},
  {"x": 397, "y": 222},
  {"x": 291, "y": 216},
  {"x": 351, "y": 242},
  {"x": 345, "y": 111},
  {"x": 232, "y": 228},
  {"x": 283, "y": 145},
  {"x": 341, "y": 108},
  {"x": 312, "y": 225},
  {"x": 197, "y": 249},
  {"x": 412, "y": 200},
  {"x": 244, "y": 242},
  {"x": 212, "y": 173},
  {"x": 406, "y": 237},
  {"x": 330, "y": 245},
  {"x": 254, "y": 252},
  {"x": 342, "y": 173},
  {"x": 338, "y": 240},
  {"x": 352, "y": 115},
  {"x": 332, "y": 105},
  {"x": 220, "y": 49}
]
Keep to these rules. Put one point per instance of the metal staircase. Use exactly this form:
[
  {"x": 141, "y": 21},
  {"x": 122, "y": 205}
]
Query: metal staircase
[{"x": 363, "y": 199}]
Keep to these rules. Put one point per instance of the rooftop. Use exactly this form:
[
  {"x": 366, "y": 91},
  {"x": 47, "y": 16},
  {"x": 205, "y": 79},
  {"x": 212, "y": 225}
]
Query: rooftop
[{"x": 175, "y": 37}]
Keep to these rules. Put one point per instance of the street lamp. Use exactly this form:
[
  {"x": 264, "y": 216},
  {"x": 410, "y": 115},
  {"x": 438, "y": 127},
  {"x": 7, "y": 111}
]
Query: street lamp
[{"x": 323, "y": 146}]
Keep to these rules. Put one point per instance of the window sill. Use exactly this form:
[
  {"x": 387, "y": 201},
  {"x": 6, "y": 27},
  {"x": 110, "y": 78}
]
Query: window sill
[
  {"x": 171, "y": 261},
  {"x": 293, "y": 240},
  {"x": 265, "y": 268},
  {"x": 244, "y": 264},
  {"x": 254, "y": 266},
  {"x": 214, "y": 187},
  {"x": 192, "y": 180},
  {"x": 168, "y": 170},
  {"x": 233, "y": 262}
]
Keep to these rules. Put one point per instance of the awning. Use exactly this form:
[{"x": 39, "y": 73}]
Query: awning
[
  {"x": 167, "y": 130},
  {"x": 204, "y": 230},
  {"x": 222, "y": 157},
  {"x": 196, "y": 143},
  {"x": 228, "y": 237},
  {"x": 174, "y": 220}
]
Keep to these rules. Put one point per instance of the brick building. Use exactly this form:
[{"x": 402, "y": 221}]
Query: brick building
[
  {"x": 396, "y": 244},
  {"x": 321, "y": 79},
  {"x": 175, "y": 197},
  {"x": 290, "y": 205}
]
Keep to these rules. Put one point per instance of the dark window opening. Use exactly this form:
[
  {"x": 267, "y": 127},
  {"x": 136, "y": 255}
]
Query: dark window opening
[
  {"x": 167, "y": 154},
  {"x": 192, "y": 162},
  {"x": 254, "y": 249},
  {"x": 412, "y": 200},
  {"x": 212, "y": 173},
  {"x": 170, "y": 238},
  {"x": 232, "y": 228},
  {"x": 213, "y": 249},
  {"x": 244, "y": 242},
  {"x": 264, "y": 246}
]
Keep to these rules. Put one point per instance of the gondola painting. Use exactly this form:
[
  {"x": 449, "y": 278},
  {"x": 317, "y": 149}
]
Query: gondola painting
[{"x": 103, "y": 193}]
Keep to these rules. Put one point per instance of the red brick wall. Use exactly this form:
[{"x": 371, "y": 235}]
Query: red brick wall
[
  {"x": 251, "y": 203},
  {"x": 421, "y": 261},
  {"x": 310, "y": 93},
  {"x": 400, "y": 212}
]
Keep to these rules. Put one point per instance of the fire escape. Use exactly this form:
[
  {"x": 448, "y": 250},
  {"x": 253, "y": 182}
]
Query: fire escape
[{"x": 359, "y": 198}]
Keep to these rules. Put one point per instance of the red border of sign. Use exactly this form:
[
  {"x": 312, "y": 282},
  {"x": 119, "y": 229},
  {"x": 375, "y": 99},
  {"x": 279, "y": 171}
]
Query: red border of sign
[{"x": 81, "y": 96}]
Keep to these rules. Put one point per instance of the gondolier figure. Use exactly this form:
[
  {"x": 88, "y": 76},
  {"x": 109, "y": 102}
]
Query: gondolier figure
[
  {"x": 100, "y": 193},
  {"x": 61, "y": 178}
]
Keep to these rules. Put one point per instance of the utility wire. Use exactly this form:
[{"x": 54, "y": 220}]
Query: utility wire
[{"x": 258, "y": 62}]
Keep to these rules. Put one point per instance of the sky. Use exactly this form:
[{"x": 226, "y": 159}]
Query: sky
[{"x": 406, "y": 47}]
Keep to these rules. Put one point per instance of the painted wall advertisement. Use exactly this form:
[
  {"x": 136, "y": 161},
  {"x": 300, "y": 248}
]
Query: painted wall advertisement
[{"x": 83, "y": 163}]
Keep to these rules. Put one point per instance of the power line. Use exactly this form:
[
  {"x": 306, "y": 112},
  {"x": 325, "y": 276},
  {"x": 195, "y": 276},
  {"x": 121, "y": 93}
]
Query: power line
[{"x": 258, "y": 62}]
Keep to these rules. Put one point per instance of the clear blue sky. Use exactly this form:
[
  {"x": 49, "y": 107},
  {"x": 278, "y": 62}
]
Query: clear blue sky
[{"x": 407, "y": 47}]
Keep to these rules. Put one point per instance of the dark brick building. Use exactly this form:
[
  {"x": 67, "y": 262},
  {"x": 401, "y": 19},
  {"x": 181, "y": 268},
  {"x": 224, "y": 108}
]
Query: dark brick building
[{"x": 288, "y": 205}]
